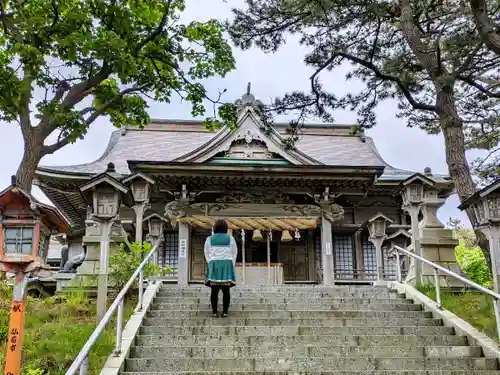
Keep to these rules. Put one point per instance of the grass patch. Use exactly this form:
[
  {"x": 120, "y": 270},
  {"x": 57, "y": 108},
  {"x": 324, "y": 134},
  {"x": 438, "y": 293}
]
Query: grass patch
[
  {"x": 475, "y": 308},
  {"x": 56, "y": 330}
]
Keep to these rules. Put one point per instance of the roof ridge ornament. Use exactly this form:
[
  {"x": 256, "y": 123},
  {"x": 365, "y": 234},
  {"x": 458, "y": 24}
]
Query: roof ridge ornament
[{"x": 247, "y": 100}]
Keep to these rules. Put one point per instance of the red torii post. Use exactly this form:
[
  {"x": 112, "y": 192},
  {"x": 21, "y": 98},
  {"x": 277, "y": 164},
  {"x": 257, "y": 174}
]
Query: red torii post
[{"x": 25, "y": 229}]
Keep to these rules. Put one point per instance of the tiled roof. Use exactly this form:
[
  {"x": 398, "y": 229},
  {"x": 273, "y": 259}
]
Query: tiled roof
[
  {"x": 339, "y": 150},
  {"x": 160, "y": 142},
  {"x": 140, "y": 145}
]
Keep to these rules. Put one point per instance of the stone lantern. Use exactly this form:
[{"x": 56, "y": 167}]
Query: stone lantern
[
  {"x": 140, "y": 185},
  {"x": 412, "y": 194},
  {"x": 25, "y": 228},
  {"x": 437, "y": 243},
  {"x": 105, "y": 194},
  {"x": 486, "y": 206},
  {"x": 402, "y": 239},
  {"x": 155, "y": 224},
  {"x": 377, "y": 227}
]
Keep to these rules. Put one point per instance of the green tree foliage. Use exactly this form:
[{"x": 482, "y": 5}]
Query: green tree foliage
[
  {"x": 101, "y": 58},
  {"x": 469, "y": 256},
  {"x": 124, "y": 262},
  {"x": 425, "y": 54},
  {"x": 473, "y": 263}
]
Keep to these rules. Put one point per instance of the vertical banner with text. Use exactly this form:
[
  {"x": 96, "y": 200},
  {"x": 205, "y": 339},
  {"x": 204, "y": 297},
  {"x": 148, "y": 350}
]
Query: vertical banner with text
[{"x": 15, "y": 338}]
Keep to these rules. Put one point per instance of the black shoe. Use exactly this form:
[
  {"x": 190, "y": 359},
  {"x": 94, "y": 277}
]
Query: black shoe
[
  {"x": 215, "y": 315},
  {"x": 224, "y": 315}
]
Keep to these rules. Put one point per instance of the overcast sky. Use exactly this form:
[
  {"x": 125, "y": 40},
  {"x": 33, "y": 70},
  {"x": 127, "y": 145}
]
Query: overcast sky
[{"x": 271, "y": 75}]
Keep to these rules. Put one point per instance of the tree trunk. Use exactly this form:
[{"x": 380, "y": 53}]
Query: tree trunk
[
  {"x": 26, "y": 171},
  {"x": 485, "y": 25},
  {"x": 454, "y": 140}
]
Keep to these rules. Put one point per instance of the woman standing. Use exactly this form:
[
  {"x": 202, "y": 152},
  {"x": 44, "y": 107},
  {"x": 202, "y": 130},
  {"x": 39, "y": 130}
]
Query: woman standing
[{"x": 220, "y": 253}]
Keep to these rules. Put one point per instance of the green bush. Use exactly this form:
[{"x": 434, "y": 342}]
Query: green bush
[
  {"x": 473, "y": 264},
  {"x": 56, "y": 328},
  {"x": 123, "y": 262}
]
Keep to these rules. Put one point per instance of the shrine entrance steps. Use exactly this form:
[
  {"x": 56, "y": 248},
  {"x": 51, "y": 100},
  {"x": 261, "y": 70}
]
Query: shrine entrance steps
[{"x": 342, "y": 330}]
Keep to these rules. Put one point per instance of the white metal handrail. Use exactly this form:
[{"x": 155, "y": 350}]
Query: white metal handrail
[
  {"x": 437, "y": 268},
  {"x": 116, "y": 305}
]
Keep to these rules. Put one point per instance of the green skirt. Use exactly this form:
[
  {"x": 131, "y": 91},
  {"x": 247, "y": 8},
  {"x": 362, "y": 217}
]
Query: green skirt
[{"x": 220, "y": 272}]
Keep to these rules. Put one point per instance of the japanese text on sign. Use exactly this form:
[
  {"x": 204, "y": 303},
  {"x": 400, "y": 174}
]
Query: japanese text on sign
[{"x": 182, "y": 248}]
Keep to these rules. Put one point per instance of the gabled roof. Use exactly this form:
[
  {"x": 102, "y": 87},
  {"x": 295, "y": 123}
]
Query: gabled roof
[
  {"x": 168, "y": 140},
  {"x": 249, "y": 128},
  {"x": 51, "y": 215},
  {"x": 189, "y": 141},
  {"x": 494, "y": 186},
  {"x": 105, "y": 178}
]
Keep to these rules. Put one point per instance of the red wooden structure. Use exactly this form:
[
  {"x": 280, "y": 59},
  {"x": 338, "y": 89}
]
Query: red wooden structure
[{"x": 25, "y": 229}]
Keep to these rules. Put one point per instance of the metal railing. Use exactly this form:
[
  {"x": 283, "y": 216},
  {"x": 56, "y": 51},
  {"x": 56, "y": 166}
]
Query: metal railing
[
  {"x": 437, "y": 269},
  {"x": 80, "y": 362}
]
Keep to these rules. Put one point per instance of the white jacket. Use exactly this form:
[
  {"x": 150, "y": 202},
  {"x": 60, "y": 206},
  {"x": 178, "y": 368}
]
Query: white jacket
[{"x": 221, "y": 252}]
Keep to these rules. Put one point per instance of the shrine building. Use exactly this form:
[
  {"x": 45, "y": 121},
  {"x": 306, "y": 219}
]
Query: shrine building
[{"x": 300, "y": 214}]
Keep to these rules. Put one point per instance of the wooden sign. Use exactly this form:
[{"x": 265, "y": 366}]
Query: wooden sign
[
  {"x": 328, "y": 248},
  {"x": 15, "y": 339}
]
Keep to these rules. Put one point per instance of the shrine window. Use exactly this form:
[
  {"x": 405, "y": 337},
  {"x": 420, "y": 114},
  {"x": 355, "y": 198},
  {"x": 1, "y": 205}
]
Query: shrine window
[
  {"x": 18, "y": 240},
  {"x": 344, "y": 257},
  {"x": 370, "y": 260}
]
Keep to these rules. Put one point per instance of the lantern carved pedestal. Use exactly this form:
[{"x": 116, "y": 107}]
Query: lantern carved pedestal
[{"x": 437, "y": 242}]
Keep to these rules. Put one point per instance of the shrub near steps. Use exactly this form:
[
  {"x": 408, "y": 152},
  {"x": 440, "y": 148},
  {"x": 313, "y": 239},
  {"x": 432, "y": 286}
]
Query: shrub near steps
[{"x": 345, "y": 330}]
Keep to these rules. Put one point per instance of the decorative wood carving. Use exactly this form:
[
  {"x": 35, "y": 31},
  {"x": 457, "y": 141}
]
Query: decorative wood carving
[
  {"x": 303, "y": 210},
  {"x": 248, "y": 145},
  {"x": 258, "y": 198},
  {"x": 175, "y": 210},
  {"x": 370, "y": 203},
  {"x": 332, "y": 212},
  {"x": 255, "y": 210}
]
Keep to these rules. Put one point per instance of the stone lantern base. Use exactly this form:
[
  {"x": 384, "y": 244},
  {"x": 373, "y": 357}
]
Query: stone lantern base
[
  {"x": 438, "y": 246},
  {"x": 92, "y": 239}
]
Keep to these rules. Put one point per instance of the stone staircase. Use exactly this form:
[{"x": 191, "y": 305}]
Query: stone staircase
[{"x": 344, "y": 330}]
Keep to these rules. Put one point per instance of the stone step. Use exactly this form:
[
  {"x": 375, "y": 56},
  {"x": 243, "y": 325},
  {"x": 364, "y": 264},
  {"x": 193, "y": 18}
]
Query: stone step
[
  {"x": 276, "y": 299},
  {"x": 256, "y": 289},
  {"x": 235, "y": 321},
  {"x": 305, "y": 364},
  {"x": 314, "y": 372},
  {"x": 371, "y": 339},
  {"x": 294, "y": 306},
  {"x": 287, "y": 294},
  {"x": 308, "y": 351},
  {"x": 294, "y": 313},
  {"x": 294, "y": 330}
]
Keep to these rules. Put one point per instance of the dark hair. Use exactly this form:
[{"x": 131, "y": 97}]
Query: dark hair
[{"x": 220, "y": 226}]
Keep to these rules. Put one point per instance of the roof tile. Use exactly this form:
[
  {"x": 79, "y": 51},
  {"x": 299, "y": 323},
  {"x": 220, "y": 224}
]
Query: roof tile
[{"x": 159, "y": 145}]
